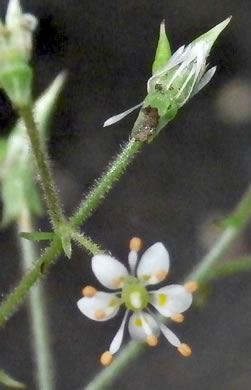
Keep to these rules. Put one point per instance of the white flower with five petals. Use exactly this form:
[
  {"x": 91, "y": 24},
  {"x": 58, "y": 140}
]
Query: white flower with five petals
[{"x": 130, "y": 291}]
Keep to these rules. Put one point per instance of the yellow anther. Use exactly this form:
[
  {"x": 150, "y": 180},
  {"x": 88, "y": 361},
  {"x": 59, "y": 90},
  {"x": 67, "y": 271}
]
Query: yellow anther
[
  {"x": 177, "y": 317},
  {"x": 191, "y": 286},
  {"x": 184, "y": 350},
  {"x": 152, "y": 340},
  {"x": 135, "y": 244},
  {"x": 138, "y": 322},
  {"x": 99, "y": 314},
  {"x": 160, "y": 275},
  {"x": 116, "y": 282},
  {"x": 162, "y": 299},
  {"x": 89, "y": 291},
  {"x": 106, "y": 358}
]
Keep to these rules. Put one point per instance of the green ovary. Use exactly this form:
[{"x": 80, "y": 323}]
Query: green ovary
[{"x": 134, "y": 295}]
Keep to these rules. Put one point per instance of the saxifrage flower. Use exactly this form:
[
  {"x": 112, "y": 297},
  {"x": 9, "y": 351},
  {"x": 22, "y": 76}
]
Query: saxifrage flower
[{"x": 130, "y": 291}]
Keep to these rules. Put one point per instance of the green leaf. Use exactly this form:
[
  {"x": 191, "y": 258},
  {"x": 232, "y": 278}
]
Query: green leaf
[
  {"x": 66, "y": 244},
  {"x": 7, "y": 381},
  {"x": 163, "y": 51},
  {"x": 38, "y": 236}
]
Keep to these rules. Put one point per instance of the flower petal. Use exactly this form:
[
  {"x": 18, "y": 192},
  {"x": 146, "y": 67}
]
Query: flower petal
[
  {"x": 107, "y": 304},
  {"x": 170, "y": 336},
  {"x": 118, "y": 117},
  {"x": 171, "y": 299},
  {"x": 118, "y": 338},
  {"x": 109, "y": 271},
  {"x": 204, "y": 80},
  {"x": 142, "y": 325},
  {"x": 154, "y": 261}
]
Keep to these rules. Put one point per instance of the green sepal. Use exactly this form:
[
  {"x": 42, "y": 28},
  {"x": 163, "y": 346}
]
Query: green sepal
[
  {"x": 16, "y": 80},
  {"x": 7, "y": 381},
  {"x": 66, "y": 245},
  {"x": 163, "y": 51},
  {"x": 38, "y": 236}
]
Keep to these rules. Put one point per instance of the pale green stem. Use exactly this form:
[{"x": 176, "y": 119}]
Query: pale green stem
[
  {"x": 44, "y": 170},
  {"x": 37, "y": 306},
  {"x": 86, "y": 243},
  {"x": 96, "y": 195},
  {"x": 230, "y": 267},
  {"x": 132, "y": 350},
  {"x": 115, "y": 169}
]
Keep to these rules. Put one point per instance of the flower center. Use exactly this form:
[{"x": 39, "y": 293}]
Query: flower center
[{"x": 134, "y": 295}]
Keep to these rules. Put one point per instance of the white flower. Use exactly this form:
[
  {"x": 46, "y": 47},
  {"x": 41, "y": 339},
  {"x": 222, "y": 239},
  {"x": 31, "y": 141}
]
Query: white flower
[
  {"x": 183, "y": 75},
  {"x": 129, "y": 290}
]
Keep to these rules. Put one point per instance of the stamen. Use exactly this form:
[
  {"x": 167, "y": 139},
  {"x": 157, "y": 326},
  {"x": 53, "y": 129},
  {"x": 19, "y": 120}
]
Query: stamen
[
  {"x": 116, "y": 283},
  {"x": 135, "y": 244},
  {"x": 106, "y": 358},
  {"x": 177, "y": 317},
  {"x": 160, "y": 275},
  {"x": 191, "y": 286},
  {"x": 100, "y": 314},
  {"x": 152, "y": 340},
  {"x": 184, "y": 350},
  {"x": 89, "y": 291}
]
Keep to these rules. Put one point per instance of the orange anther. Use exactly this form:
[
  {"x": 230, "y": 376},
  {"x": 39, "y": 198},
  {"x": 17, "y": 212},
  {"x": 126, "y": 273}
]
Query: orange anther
[
  {"x": 99, "y": 314},
  {"x": 160, "y": 275},
  {"x": 106, "y": 358},
  {"x": 135, "y": 244},
  {"x": 89, "y": 291},
  {"x": 184, "y": 350},
  {"x": 177, "y": 317},
  {"x": 116, "y": 282},
  {"x": 191, "y": 286},
  {"x": 152, "y": 340}
]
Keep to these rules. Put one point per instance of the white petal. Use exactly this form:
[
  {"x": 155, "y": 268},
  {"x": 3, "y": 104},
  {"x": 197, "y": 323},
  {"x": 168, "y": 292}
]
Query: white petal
[
  {"x": 101, "y": 301},
  {"x": 118, "y": 117},
  {"x": 118, "y": 338},
  {"x": 107, "y": 270},
  {"x": 171, "y": 337},
  {"x": 139, "y": 329},
  {"x": 177, "y": 300},
  {"x": 153, "y": 260},
  {"x": 13, "y": 14},
  {"x": 204, "y": 80},
  {"x": 132, "y": 260}
]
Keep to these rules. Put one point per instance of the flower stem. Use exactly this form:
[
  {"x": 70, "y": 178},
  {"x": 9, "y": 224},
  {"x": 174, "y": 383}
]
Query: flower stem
[
  {"x": 106, "y": 181},
  {"x": 87, "y": 243},
  {"x": 208, "y": 262},
  {"x": 37, "y": 307},
  {"x": 42, "y": 160},
  {"x": 16, "y": 297}
]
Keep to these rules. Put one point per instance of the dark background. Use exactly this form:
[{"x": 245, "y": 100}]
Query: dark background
[{"x": 194, "y": 173}]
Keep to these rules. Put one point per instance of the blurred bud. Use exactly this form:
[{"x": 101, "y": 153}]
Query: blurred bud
[
  {"x": 17, "y": 170},
  {"x": 15, "y": 52}
]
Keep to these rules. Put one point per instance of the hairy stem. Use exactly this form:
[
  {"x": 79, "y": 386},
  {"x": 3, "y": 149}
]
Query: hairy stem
[
  {"x": 126, "y": 357},
  {"x": 37, "y": 306},
  {"x": 17, "y": 296},
  {"x": 87, "y": 243},
  {"x": 42, "y": 160},
  {"x": 115, "y": 169}
]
